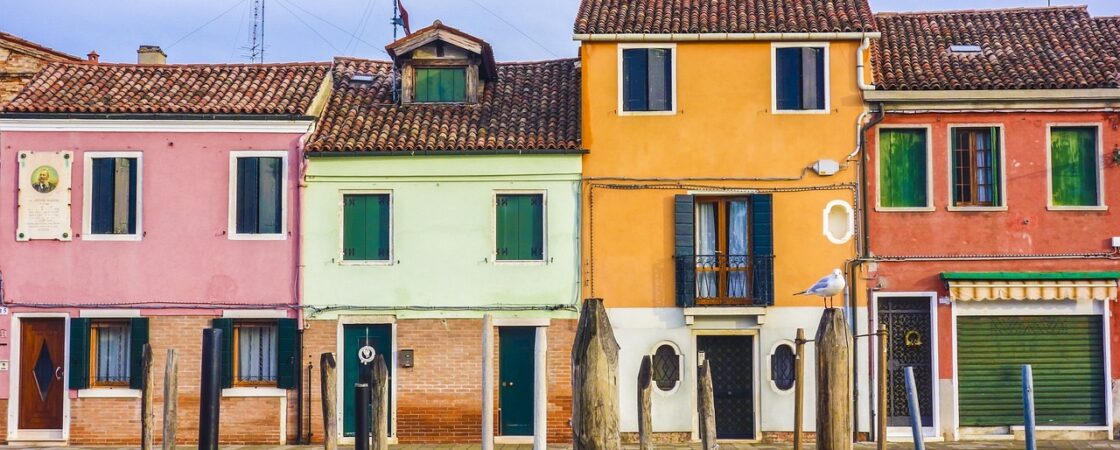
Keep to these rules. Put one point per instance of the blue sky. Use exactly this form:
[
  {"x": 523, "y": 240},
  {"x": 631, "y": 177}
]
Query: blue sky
[{"x": 315, "y": 30}]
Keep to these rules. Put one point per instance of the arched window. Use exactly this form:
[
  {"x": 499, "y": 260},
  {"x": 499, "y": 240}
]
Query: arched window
[
  {"x": 666, "y": 367},
  {"x": 781, "y": 367}
]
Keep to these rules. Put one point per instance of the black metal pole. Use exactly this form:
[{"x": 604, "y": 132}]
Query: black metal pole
[
  {"x": 361, "y": 416},
  {"x": 211, "y": 391}
]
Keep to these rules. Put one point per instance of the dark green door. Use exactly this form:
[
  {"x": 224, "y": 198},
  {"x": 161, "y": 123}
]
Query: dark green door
[
  {"x": 1066, "y": 355},
  {"x": 515, "y": 370},
  {"x": 380, "y": 337}
]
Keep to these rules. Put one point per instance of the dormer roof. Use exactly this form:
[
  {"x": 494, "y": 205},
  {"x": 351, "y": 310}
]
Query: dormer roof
[{"x": 437, "y": 31}]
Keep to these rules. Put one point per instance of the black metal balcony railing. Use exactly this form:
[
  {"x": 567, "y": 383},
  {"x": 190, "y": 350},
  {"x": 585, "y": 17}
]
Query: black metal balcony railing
[{"x": 725, "y": 280}]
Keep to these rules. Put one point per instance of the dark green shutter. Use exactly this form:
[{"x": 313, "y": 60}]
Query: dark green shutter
[
  {"x": 903, "y": 168},
  {"x": 635, "y": 79},
  {"x": 788, "y": 74},
  {"x": 1065, "y": 353},
  {"x": 101, "y": 196},
  {"x": 138, "y": 336},
  {"x": 520, "y": 227},
  {"x": 287, "y": 350},
  {"x": 684, "y": 245},
  {"x": 226, "y": 325},
  {"x": 762, "y": 248},
  {"x": 441, "y": 84},
  {"x": 79, "y": 353},
  {"x": 1073, "y": 166},
  {"x": 365, "y": 227},
  {"x": 997, "y": 165}
]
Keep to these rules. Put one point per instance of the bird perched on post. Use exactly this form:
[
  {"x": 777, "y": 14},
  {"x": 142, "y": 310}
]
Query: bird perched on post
[{"x": 827, "y": 287}]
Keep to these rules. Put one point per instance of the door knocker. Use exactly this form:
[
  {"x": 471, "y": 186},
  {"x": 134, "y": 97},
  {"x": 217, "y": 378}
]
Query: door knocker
[{"x": 912, "y": 338}]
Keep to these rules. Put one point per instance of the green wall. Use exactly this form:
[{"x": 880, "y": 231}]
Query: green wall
[{"x": 442, "y": 236}]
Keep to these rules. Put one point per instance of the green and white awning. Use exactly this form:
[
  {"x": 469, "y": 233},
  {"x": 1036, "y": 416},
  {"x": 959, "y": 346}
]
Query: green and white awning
[{"x": 979, "y": 286}]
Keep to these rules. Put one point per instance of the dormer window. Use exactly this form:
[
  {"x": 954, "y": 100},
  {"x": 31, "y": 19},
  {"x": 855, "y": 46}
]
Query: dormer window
[{"x": 440, "y": 85}]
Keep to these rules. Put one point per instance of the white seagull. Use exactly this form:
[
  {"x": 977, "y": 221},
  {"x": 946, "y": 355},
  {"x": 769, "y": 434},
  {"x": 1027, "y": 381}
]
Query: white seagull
[{"x": 827, "y": 287}]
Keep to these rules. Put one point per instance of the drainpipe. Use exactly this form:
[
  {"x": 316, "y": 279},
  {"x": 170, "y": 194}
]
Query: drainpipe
[{"x": 861, "y": 81}]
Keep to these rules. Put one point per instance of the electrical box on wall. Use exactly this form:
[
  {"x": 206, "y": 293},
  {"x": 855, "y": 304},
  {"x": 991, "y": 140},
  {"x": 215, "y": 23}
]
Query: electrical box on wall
[
  {"x": 405, "y": 358},
  {"x": 3, "y": 365}
]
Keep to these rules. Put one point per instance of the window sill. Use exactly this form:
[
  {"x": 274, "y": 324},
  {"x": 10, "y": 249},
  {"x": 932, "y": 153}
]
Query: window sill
[
  {"x": 112, "y": 237},
  {"x": 247, "y": 391},
  {"x": 359, "y": 263},
  {"x": 105, "y": 392},
  {"x": 258, "y": 237},
  {"x": 800, "y": 111},
  {"x": 885, "y": 209},
  {"x": 647, "y": 113},
  {"x": 520, "y": 262},
  {"x": 976, "y": 208},
  {"x": 1076, "y": 208}
]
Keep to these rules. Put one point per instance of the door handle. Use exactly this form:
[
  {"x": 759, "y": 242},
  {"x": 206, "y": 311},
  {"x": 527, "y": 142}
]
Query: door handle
[
  {"x": 507, "y": 384},
  {"x": 58, "y": 373}
]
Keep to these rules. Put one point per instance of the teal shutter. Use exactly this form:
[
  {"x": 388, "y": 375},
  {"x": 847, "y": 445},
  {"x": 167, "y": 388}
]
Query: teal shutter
[
  {"x": 684, "y": 244},
  {"x": 1073, "y": 166},
  {"x": 365, "y": 227},
  {"x": 440, "y": 84},
  {"x": 520, "y": 227},
  {"x": 79, "y": 353},
  {"x": 226, "y": 325},
  {"x": 997, "y": 166},
  {"x": 138, "y": 336},
  {"x": 287, "y": 351},
  {"x": 762, "y": 248},
  {"x": 903, "y": 168}
]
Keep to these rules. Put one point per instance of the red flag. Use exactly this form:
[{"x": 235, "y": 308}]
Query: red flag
[{"x": 402, "y": 15}]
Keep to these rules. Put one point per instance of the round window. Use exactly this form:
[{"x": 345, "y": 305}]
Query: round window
[
  {"x": 781, "y": 367},
  {"x": 666, "y": 367},
  {"x": 838, "y": 222}
]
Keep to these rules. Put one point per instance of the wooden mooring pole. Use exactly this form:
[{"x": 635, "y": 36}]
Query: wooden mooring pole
[
  {"x": 170, "y": 400},
  {"x": 645, "y": 388},
  {"x": 707, "y": 407},
  {"x": 147, "y": 405},
  {"x": 380, "y": 391},
  {"x": 834, "y": 382},
  {"x": 329, "y": 391},
  {"x": 595, "y": 381},
  {"x": 799, "y": 390}
]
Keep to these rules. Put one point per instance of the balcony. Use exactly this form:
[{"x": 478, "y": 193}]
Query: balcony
[{"x": 725, "y": 280}]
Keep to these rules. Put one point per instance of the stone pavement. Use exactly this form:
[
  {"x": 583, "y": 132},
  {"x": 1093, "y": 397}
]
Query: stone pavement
[{"x": 981, "y": 445}]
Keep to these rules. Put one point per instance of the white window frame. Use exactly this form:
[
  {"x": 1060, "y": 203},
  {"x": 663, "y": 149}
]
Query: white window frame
[
  {"x": 494, "y": 227},
  {"x": 1101, "y": 205},
  {"x": 342, "y": 193},
  {"x": 87, "y": 196},
  {"x": 1004, "y": 197},
  {"x": 672, "y": 47},
  {"x": 774, "y": 46},
  {"x": 930, "y": 203},
  {"x": 770, "y": 366},
  {"x": 231, "y": 232}
]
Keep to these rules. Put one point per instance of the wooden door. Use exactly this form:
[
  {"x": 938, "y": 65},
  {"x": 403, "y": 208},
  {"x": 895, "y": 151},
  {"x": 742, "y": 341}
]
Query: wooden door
[
  {"x": 41, "y": 380},
  {"x": 516, "y": 372}
]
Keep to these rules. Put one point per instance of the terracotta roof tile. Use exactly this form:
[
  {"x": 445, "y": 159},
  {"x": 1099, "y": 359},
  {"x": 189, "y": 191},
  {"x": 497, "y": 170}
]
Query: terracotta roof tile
[
  {"x": 174, "y": 89},
  {"x": 1021, "y": 48},
  {"x": 531, "y": 106},
  {"x": 723, "y": 16}
]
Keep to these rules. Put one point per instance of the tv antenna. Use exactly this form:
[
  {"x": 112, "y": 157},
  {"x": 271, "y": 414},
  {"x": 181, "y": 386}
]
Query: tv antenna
[{"x": 256, "y": 34}]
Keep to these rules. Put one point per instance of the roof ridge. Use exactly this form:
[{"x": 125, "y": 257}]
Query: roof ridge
[
  {"x": 1013, "y": 10},
  {"x": 537, "y": 61}
]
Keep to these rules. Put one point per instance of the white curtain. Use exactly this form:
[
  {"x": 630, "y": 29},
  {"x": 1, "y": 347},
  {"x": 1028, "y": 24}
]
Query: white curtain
[
  {"x": 737, "y": 249},
  {"x": 112, "y": 353},
  {"x": 256, "y": 353},
  {"x": 707, "y": 280},
  {"x": 983, "y": 169}
]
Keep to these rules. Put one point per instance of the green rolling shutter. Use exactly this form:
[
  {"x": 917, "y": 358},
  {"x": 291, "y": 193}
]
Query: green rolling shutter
[
  {"x": 138, "y": 336},
  {"x": 226, "y": 325},
  {"x": 441, "y": 84},
  {"x": 520, "y": 227},
  {"x": 79, "y": 353},
  {"x": 1073, "y": 166},
  {"x": 365, "y": 227},
  {"x": 287, "y": 350},
  {"x": 1065, "y": 353},
  {"x": 903, "y": 168}
]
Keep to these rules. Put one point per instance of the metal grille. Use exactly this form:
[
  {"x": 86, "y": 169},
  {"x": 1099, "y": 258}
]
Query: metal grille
[
  {"x": 908, "y": 323},
  {"x": 726, "y": 280},
  {"x": 781, "y": 367},
  {"x": 732, "y": 361},
  {"x": 666, "y": 367}
]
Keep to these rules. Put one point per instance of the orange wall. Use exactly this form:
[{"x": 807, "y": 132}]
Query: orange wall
[{"x": 723, "y": 128}]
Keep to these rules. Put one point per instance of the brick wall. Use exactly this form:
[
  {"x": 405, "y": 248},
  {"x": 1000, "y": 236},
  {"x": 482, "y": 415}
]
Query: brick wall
[
  {"x": 16, "y": 69},
  {"x": 439, "y": 398}
]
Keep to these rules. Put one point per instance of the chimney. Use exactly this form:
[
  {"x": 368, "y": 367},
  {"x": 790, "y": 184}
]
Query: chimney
[
  {"x": 92, "y": 56},
  {"x": 150, "y": 54}
]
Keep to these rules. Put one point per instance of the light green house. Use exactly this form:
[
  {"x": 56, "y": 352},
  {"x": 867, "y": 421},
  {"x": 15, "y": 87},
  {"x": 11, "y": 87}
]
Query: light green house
[{"x": 440, "y": 188}]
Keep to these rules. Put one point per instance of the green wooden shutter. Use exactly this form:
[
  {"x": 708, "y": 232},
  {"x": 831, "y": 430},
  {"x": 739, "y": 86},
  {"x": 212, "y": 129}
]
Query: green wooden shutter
[
  {"x": 226, "y": 325},
  {"x": 79, "y": 353},
  {"x": 440, "y": 84},
  {"x": 762, "y": 248},
  {"x": 684, "y": 245},
  {"x": 520, "y": 227},
  {"x": 997, "y": 166},
  {"x": 532, "y": 226},
  {"x": 1065, "y": 353},
  {"x": 365, "y": 227},
  {"x": 138, "y": 336},
  {"x": 1073, "y": 166},
  {"x": 903, "y": 168},
  {"x": 287, "y": 351}
]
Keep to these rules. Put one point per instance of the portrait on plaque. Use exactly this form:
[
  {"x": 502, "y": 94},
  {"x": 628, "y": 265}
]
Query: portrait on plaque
[{"x": 44, "y": 196}]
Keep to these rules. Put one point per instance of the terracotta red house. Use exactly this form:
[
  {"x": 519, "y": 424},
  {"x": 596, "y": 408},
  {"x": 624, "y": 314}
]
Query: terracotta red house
[{"x": 993, "y": 190}]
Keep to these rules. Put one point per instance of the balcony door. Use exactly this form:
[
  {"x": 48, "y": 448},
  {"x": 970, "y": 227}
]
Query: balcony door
[{"x": 722, "y": 256}]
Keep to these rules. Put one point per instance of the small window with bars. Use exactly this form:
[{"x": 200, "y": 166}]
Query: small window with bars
[
  {"x": 782, "y": 367},
  {"x": 976, "y": 167},
  {"x": 254, "y": 344},
  {"x": 109, "y": 353},
  {"x": 666, "y": 365}
]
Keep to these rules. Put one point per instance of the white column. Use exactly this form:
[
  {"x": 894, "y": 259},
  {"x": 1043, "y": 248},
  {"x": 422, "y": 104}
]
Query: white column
[
  {"x": 540, "y": 390},
  {"x": 487, "y": 382}
]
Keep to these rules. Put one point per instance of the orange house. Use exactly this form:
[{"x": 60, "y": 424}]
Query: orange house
[{"x": 721, "y": 179}]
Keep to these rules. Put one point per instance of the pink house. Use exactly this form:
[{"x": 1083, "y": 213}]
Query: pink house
[{"x": 142, "y": 204}]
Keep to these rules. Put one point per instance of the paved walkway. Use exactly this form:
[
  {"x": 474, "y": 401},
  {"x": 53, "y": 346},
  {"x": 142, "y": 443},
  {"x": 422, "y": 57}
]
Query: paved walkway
[{"x": 982, "y": 445}]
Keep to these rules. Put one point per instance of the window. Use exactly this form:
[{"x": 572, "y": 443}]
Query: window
[
  {"x": 112, "y": 196},
  {"x": 800, "y": 78},
  {"x": 255, "y": 345},
  {"x": 520, "y": 227},
  {"x": 365, "y": 227},
  {"x": 441, "y": 84},
  {"x": 976, "y": 167},
  {"x": 258, "y": 200},
  {"x": 903, "y": 168},
  {"x": 722, "y": 254},
  {"x": 781, "y": 367},
  {"x": 666, "y": 367},
  {"x": 1074, "y": 167},
  {"x": 647, "y": 79},
  {"x": 839, "y": 221},
  {"x": 109, "y": 353}
]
